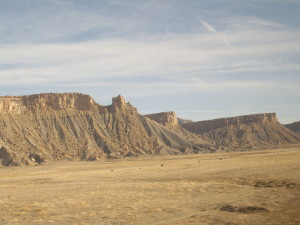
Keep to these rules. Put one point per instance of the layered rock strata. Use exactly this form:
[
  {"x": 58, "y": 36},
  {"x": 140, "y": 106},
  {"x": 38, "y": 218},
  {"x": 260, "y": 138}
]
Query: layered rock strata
[
  {"x": 165, "y": 118},
  {"x": 207, "y": 125},
  {"x": 44, "y": 102},
  {"x": 244, "y": 132},
  {"x": 72, "y": 126}
]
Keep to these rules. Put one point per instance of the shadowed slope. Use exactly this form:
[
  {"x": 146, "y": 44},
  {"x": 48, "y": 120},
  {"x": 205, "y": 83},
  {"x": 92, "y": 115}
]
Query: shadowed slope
[
  {"x": 294, "y": 126},
  {"x": 248, "y": 131}
]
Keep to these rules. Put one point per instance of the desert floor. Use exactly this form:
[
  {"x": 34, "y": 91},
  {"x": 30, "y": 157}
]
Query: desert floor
[{"x": 257, "y": 187}]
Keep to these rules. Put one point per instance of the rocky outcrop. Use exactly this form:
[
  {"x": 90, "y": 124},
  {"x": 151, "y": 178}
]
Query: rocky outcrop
[
  {"x": 119, "y": 101},
  {"x": 207, "y": 125},
  {"x": 45, "y": 102},
  {"x": 294, "y": 126},
  {"x": 244, "y": 132},
  {"x": 11, "y": 105},
  {"x": 183, "y": 121},
  {"x": 165, "y": 118},
  {"x": 72, "y": 126},
  {"x": 10, "y": 158}
]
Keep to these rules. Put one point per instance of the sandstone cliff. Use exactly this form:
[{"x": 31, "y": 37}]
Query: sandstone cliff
[
  {"x": 250, "y": 131},
  {"x": 44, "y": 102},
  {"x": 170, "y": 120},
  {"x": 183, "y": 121},
  {"x": 165, "y": 118},
  {"x": 207, "y": 125},
  {"x": 73, "y": 126}
]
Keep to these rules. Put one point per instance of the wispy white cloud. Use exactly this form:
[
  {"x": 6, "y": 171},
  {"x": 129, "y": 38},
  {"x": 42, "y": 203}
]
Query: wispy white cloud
[
  {"x": 134, "y": 48},
  {"x": 190, "y": 55},
  {"x": 195, "y": 83},
  {"x": 210, "y": 28},
  {"x": 283, "y": 106},
  {"x": 244, "y": 23},
  {"x": 261, "y": 22}
]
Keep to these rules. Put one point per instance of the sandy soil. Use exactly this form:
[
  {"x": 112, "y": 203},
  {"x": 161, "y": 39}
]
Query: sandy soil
[{"x": 259, "y": 187}]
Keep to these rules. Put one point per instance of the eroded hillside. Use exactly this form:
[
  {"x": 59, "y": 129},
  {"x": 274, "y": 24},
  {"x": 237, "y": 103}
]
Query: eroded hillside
[
  {"x": 72, "y": 126},
  {"x": 234, "y": 133},
  {"x": 294, "y": 126},
  {"x": 249, "y": 131}
]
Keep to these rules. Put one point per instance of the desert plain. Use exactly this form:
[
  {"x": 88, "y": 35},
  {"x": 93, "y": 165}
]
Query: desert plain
[{"x": 253, "y": 187}]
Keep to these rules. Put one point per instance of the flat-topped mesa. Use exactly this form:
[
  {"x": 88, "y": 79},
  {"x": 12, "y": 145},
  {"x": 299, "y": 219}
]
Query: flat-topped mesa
[
  {"x": 11, "y": 104},
  {"x": 119, "y": 101},
  {"x": 207, "y": 125},
  {"x": 165, "y": 118},
  {"x": 44, "y": 102}
]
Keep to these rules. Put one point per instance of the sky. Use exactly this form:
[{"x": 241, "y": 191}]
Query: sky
[{"x": 203, "y": 59}]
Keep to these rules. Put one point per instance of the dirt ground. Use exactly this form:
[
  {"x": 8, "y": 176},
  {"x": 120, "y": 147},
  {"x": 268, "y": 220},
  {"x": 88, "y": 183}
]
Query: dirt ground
[{"x": 258, "y": 187}]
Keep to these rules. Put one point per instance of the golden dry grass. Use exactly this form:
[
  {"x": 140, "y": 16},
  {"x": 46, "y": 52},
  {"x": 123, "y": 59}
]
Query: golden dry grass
[{"x": 259, "y": 187}]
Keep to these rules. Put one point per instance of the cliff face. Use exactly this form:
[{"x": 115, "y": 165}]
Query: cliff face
[
  {"x": 119, "y": 101},
  {"x": 207, "y": 125},
  {"x": 165, "y": 118},
  {"x": 183, "y": 121},
  {"x": 170, "y": 121},
  {"x": 44, "y": 102},
  {"x": 72, "y": 126},
  {"x": 11, "y": 105},
  {"x": 250, "y": 131}
]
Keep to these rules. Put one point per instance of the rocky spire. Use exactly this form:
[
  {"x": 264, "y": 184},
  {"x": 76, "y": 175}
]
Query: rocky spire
[{"x": 119, "y": 101}]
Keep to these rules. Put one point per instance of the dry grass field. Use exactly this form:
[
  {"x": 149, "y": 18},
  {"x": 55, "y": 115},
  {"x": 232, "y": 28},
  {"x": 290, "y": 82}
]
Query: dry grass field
[{"x": 256, "y": 187}]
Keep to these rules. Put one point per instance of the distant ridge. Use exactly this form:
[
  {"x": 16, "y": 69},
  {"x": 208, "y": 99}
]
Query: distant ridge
[
  {"x": 183, "y": 121},
  {"x": 294, "y": 126},
  {"x": 249, "y": 131},
  {"x": 207, "y": 125},
  {"x": 72, "y": 126},
  {"x": 233, "y": 133},
  {"x": 165, "y": 118}
]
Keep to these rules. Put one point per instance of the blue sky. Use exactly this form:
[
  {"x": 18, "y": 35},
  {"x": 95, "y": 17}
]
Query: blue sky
[{"x": 202, "y": 59}]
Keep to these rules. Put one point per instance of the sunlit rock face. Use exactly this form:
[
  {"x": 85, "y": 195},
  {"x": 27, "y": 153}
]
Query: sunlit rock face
[
  {"x": 72, "y": 126},
  {"x": 44, "y": 102},
  {"x": 119, "y": 101},
  {"x": 165, "y": 118}
]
